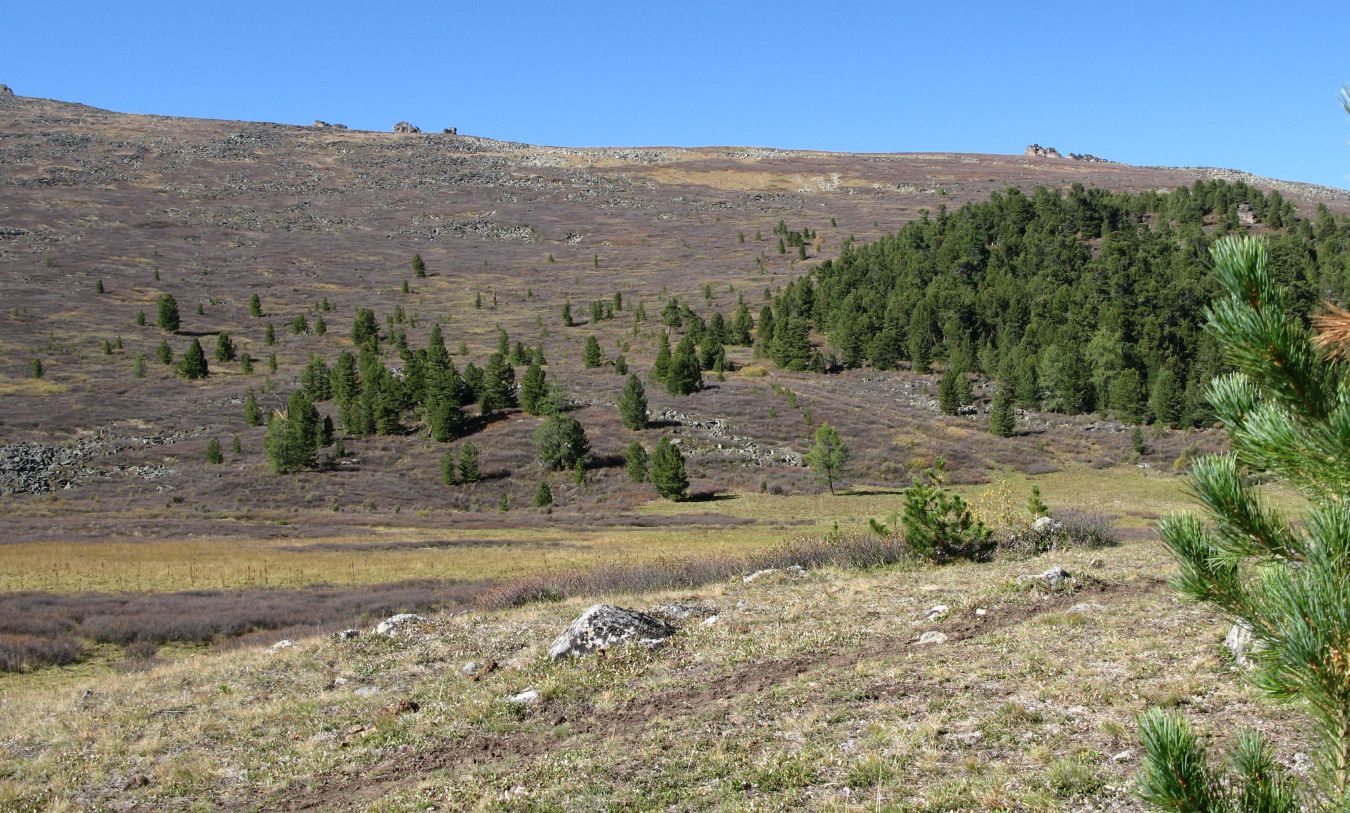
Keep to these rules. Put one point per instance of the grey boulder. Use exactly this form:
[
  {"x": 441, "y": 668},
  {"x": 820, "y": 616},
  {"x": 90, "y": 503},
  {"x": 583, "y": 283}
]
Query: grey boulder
[{"x": 603, "y": 626}]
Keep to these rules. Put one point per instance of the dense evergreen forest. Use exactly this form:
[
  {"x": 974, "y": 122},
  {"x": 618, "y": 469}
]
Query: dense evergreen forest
[{"x": 1078, "y": 302}]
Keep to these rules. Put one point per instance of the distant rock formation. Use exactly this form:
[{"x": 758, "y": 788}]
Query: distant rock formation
[
  {"x": 319, "y": 124},
  {"x": 1037, "y": 151},
  {"x": 1246, "y": 214},
  {"x": 450, "y": 131},
  {"x": 6, "y": 91},
  {"x": 405, "y": 127}
]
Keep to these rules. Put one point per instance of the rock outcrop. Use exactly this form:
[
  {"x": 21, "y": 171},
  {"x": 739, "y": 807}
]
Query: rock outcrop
[
  {"x": 1037, "y": 151},
  {"x": 405, "y": 127},
  {"x": 603, "y": 626},
  {"x": 6, "y": 92}
]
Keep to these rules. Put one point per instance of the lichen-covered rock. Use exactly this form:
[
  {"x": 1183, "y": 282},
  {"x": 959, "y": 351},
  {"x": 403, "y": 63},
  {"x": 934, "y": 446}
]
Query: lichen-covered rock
[{"x": 603, "y": 626}]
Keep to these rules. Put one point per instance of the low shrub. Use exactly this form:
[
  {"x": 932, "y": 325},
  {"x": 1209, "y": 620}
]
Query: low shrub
[
  {"x": 1068, "y": 529},
  {"x": 24, "y": 653}
]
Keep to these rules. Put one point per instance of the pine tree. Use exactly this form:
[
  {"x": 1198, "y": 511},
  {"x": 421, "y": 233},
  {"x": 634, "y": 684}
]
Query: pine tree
[
  {"x": 1286, "y": 583},
  {"x": 635, "y": 461},
  {"x": 592, "y": 356},
  {"x": 255, "y": 306},
  {"x": 543, "y": 496},
  {"x": 419, "y": 268},
  {"x": 138, "y": 368},
  {"x": 236, "y": 446},
  {"x": 667, "y": 471},
  {"x": 685, "y": 374},
  {"x": 225, "y": 349},
  {"x": 252, "y": 415},
  {"x": 245, "y": 363},
  {"x": 316, "y": 379},
  {"x": 620, "y": 365},
  {"x": 949, "y": 390},
  {"x": 532, "y": 388},
  {"x": 468, "y": 463},
  {"x": 193, "y": 365},
  {"x": 270, "y": 336},
  {"x": 828, "y": 455},
  {"x": 37, "y": 368},
  {"x": 164, "y": 353},
  {"x": 213, "y": 455},
  {"x": 320, "y": 326},
  {"x": 633, "y": 404},
  {"x": 1126, "y": 396},
  {"x": 98, "y": 287},
  {"x": 561, "y": 442},
  {"x": 140, "y": 318},
  {"x": 1002, "y": 422},
  {"x": 567, "y": 314},
  {"x": 365, "y": 329},
  {"x": 445, "y": 420},
  {"x": 1167, "y": 400},
  {"x": 499, "y": 385},
  {"x": 292, "y": 438},
  {"x": 661, "y": 366},
  {"x": 167, "y": 318}
]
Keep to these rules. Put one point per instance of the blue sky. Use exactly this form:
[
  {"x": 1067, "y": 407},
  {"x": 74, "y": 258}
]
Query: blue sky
[{"x": 1237, "y": 84}]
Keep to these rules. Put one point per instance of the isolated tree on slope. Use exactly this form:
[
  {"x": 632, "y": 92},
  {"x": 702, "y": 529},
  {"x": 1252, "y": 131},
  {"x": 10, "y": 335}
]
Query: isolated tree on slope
[
  {"x": 666, "y": 471},
  {"x": 828, "y": 456},
  {"x": 1287, "y": 413},
  {"x": 633, "y": 404}
]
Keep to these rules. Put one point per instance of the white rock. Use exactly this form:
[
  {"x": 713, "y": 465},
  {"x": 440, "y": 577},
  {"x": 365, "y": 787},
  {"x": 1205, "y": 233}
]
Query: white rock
[
  {"x": 525, "y": 698},
  {"x": 1045, "y": 524},
  {"x": 1123, "y": 756},
  {"x": 1241, "y": 643},
  {"x": 366, "y": 691},
  {"x": 347, "y": 635},
  {"x": 471, "y": 668},
  {"x": 937, "y": 611},
  {"x": 710, "y": 620},
  {"x": 933, "y": 637},
  {"x": 280, "y": 645},
  {"x": 1086, "y": 607},
  {"x": 759, "y": 574},
  {"x": 393, "y": 623},
  {"x": 981, "y": 611}
]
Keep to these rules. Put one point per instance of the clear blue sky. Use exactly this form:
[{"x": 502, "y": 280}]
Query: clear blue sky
[{"x": 1240, "y": 84}]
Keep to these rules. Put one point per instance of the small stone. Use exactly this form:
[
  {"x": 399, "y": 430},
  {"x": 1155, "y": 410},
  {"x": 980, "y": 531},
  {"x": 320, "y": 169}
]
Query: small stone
[
  {"x": 525, "y": 698},
  {"x": 367, "y": 691},
  {"x": 759, "y": 574},
  {"x": 1051, "y": 577},
  {"x": 711, "y": 620},
  {"x": 937, "y": 611},
  {"x": 980, "y": 611},
  {"x": 933, "y": 637},
  {"x": 471, "y": 668},
  {"x": 280, "y": 645},
  {"x": 1123, "y": 756},
  {"x": 1086, "y": 607},
  {"x": 347, "y": 635}
]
